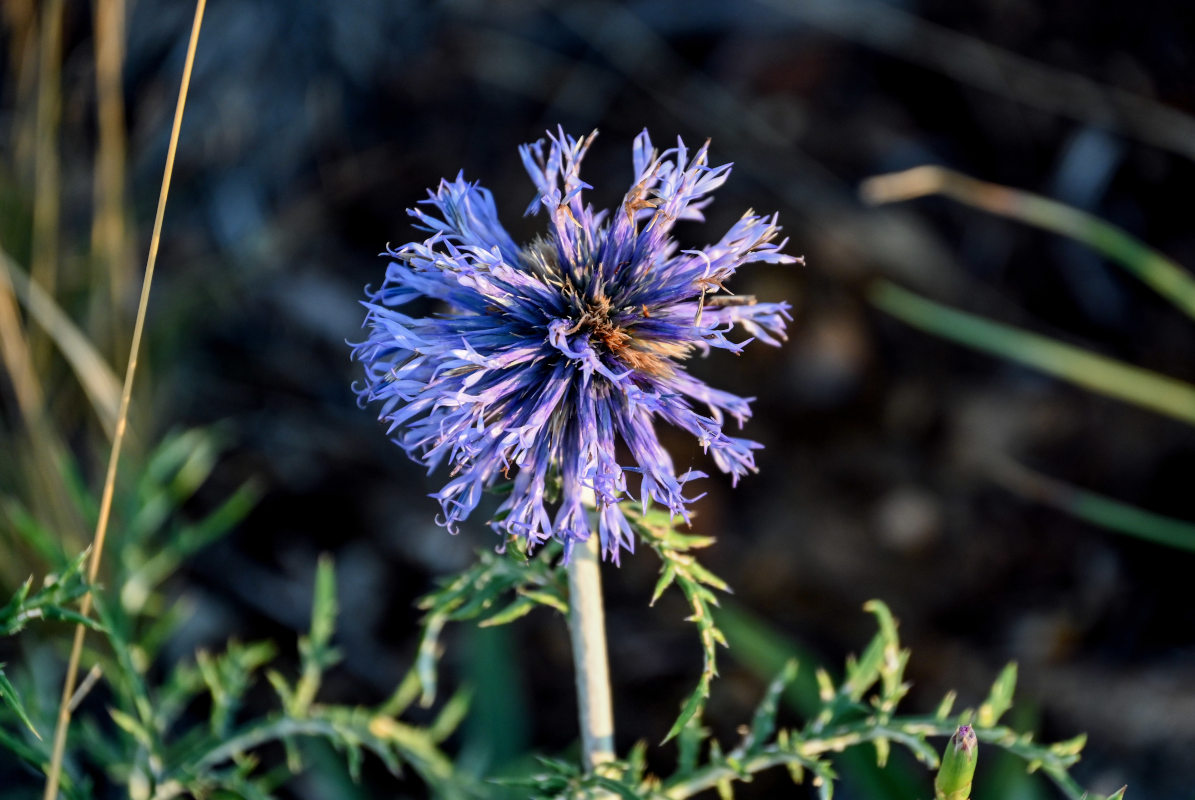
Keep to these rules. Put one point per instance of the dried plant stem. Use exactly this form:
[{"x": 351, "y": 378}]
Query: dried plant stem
[
  {"x": 45, "y": 454},
  {"x": 587, "y": 629},
  {"x": 95, "y": 375},
  {"x": 101, "y": 529},
  {"x": 46, "y": 183},
  {"x": 109, "y": 227}
]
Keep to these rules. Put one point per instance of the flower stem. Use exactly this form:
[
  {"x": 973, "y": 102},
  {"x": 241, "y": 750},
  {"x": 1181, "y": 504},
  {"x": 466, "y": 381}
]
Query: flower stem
[{"x": 587, "y": 629}]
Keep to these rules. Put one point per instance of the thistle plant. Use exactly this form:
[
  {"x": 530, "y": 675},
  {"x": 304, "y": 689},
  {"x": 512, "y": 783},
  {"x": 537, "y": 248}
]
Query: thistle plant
[
  {"x": 552, "y": 353},
  {"x": 537, "y": 372},
  {"x": 536, "y": 367}
]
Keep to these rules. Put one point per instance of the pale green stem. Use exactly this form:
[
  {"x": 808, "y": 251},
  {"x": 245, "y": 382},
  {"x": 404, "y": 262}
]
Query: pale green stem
[{"x": 587, "y": 629}]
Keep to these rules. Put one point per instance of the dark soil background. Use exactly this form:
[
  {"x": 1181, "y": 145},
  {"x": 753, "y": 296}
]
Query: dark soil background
[{"x": 312, "y": 126}]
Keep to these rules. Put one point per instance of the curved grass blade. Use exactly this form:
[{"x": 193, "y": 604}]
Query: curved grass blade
[
  {"x": 1125, "y": 382},
  {"x": 1152, "y": 268},
  {"x": 1093, "y": 507}
]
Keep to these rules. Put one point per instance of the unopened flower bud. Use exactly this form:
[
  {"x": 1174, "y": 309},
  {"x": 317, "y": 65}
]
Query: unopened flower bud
[{"x": 958, "y": 766}]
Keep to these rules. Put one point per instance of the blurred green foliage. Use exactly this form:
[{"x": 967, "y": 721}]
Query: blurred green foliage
[
  {"x": 149, "y": 738},
  {"x": 1075, "y": 364}
]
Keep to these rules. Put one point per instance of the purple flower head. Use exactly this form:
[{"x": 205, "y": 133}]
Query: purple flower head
[{"x": 543, "y": 358}]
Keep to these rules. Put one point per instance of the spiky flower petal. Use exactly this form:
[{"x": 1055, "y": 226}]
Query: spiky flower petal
[{"x": 541, "y": 359}]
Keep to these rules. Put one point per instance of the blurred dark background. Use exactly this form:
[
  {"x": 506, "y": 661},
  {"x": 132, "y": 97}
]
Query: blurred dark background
[{"x": 312, "y": 126}]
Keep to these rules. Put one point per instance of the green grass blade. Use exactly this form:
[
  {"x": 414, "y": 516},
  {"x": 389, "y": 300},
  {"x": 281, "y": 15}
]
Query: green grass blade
[
  {"x": 1116, "y": 379},
  {"x": 1095, "y": 508}
]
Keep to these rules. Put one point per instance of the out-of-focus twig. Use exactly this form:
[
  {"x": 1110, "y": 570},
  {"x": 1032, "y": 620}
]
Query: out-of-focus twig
[
  {"x": 888, "y": 29},
  {"x": 1155, "y": 270},
  {"x": 94, "y": 374}
]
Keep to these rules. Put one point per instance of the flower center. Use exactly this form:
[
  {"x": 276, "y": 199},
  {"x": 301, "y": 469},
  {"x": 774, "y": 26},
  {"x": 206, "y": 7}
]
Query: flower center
[
  {"x": 644, "y": 355},
  {"x": 601, "y": 329}
]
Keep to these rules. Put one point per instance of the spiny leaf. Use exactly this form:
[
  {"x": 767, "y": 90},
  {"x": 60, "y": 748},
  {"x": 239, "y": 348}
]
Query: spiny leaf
[
  {"x": 450, "y": 717},
  {"x": 667, "y": 576},
  {"x": 862, "y": 674},
  {"x": 14, "y": 605},
  {"x": 637, "y": 761},
  {"x": 10, "y": 697},
  {"x": 842, "y": 725},
  {"x": 132, "y": 727},
  {"x": 883, "y": 750},
  {"x": 680, "y": 568},
  {"x": 1069, "y": 747},
  {"x": 1000, "y": 698},
  {"x": 689, "y": 745},
  {"x": 546, "y": 598},
  {"x": 623, "y": 790},
  {"x": 694, "y": 704},
  {"x": 477, "y": 591},
  {"x": 521, "y": 607},
  {"x": 323, "y": 613},
  {"x": 946, "y": 705},
  {"x": 763, "y": 724}
]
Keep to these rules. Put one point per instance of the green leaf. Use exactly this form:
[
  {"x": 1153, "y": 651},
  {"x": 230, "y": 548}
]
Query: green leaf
[
  {"x": 625, "y": 791},
  {"x": 861, "y": 675},
  {"x": 679, "y": 567},
  {"x": 688, "y": 745},
  {"x": 132, "y": 727},
  {"x": 763, "y": 724},
  {"x": 1000, "y": 698},
  {"x": 450, "y": 717},
  {"x": 546, "y": 598},
  {"x": 404, "y": 694},
  {"x": 47, "y": 545},
  {"x": 19, "y": 748},
  {"x": 1070, "y": 747},
  {"x": 13, "y": 701},
  {"x": 521, "y": 607},
  {"x": 281, "y": 687},
  {"x": 315, "y": 651},
  {"x": 10, "y": 610},
  {"x": 694, "y": 704},
  {"x": 945, "y": 706},
  {"x": 323, "y": 612},
  {"x": 667, "y": 577}
]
